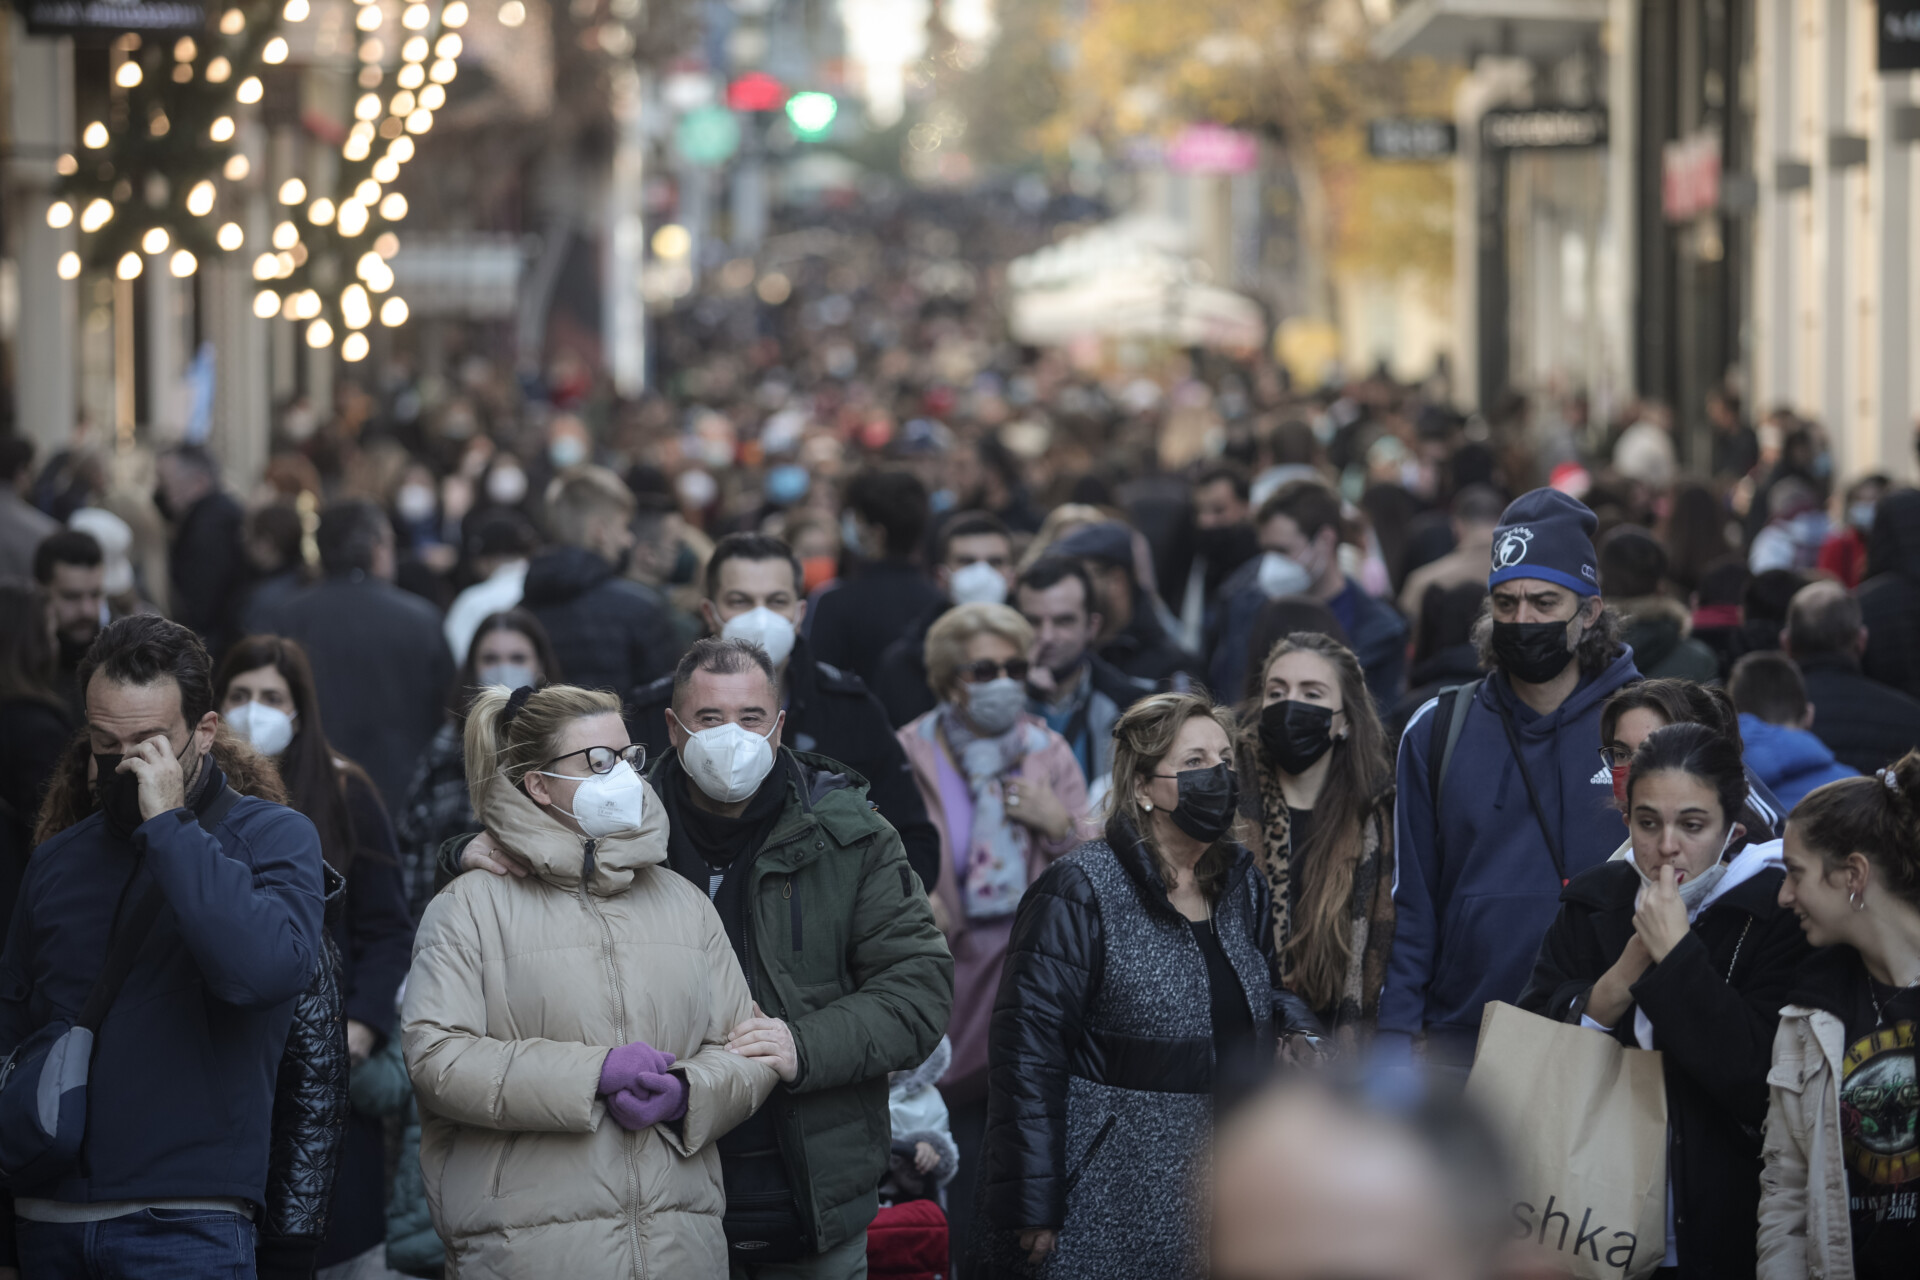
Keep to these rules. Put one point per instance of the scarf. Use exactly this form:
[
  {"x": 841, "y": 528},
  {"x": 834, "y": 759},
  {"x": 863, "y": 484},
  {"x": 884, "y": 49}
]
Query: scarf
[{"x": 993, "y": 873}]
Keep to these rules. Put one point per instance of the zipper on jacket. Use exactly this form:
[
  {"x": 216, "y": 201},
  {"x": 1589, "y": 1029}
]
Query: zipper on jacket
[
  {"x": 793, "y": 911},
  {"x": 627, "y": 1139}
]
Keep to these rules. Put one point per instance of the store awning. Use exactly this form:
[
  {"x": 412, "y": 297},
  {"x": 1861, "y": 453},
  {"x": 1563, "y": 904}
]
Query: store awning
[{"x": 1461, "y": 30}]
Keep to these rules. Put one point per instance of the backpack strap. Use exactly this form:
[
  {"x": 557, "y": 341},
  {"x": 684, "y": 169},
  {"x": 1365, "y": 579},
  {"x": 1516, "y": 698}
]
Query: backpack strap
[
  {"x": 132, "y": 933},
  {"x": 1449, "y": 718}
]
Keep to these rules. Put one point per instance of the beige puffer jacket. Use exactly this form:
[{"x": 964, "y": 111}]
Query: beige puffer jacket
[
  {"x": 519, "y": 987},
  {"x": 1805, "y": 1231}
]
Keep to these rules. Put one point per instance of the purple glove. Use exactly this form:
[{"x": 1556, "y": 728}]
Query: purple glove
[
  {"x": 628, "y": 1063},
  {"x": 655, "y": 1097}
]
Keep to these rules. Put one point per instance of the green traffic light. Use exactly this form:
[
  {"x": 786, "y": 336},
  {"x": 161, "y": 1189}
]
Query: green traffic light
[{"x": 811, "y": 113}]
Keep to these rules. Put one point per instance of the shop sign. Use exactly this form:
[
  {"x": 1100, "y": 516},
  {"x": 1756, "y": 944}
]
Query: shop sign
[
  {"x": 1545, "y": 128},
  {"x": 1899, "y": 35},
  {"x": 1411, "y": 139},
  {"x": 82, "y": 17},
  {"x": 1690, "y": 176}
]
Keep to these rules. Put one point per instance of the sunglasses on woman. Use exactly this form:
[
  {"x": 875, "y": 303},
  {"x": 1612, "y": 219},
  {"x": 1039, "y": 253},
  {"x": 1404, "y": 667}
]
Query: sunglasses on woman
[
  {"x": 987, "y": 669},
  {"x": 602, "y": 759}
]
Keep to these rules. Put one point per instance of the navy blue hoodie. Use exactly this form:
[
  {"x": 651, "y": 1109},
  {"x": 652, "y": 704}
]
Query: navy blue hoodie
[
  {"x": 1469, "y": 915},
  {"x": 181, "y": 1095}
]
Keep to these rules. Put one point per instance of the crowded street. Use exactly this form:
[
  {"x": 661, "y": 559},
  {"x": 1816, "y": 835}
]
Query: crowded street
[{"x": 960, "y": 640}]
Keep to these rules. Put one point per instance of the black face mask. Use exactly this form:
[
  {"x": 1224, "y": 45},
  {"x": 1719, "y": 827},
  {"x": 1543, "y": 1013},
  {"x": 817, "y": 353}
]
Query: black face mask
[
  {"x": 1534, "y": 652},
  {"x": 1208, "y": 800},
  {"x": 1296, "y": 734},
  {"x": 119, "y": 793}
]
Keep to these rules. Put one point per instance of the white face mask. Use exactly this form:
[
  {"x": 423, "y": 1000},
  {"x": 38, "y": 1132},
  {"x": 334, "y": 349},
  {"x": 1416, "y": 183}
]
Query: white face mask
[
  {"x": 728, "y": 762},
  {"x": 977, "y": 583},
  {"x": 266, "y": 729},
  {"x": 1282, "y": 575},
  {"x": 994, "y": 705},
  {"x": 762, "y": 626},
  {"x": 1694, "y": 889},
  {"x": 607, "y": 804},
  {"x": 508, "y": 675}
]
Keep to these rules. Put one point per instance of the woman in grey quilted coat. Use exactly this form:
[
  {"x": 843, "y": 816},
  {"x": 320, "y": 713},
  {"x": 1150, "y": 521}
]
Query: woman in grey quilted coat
[{"x": 1141, "y": 966}]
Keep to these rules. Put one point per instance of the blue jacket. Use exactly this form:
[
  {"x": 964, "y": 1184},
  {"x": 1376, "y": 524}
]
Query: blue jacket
[
  {"x": 1378, "y": 637},
  {"x": 181, "y": 1094},
  {"x": 1790, "y": 761},
  {"x": 1470, "y": 913}
]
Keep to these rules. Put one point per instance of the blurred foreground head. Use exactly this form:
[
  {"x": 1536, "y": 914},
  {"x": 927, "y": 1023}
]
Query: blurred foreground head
[{"x": 1315, "y": 1181}]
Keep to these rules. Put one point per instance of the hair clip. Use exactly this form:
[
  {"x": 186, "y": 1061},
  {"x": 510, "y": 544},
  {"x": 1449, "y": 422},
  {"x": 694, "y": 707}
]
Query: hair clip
[
  {"x": 1886, "y": 775},
  {"x": 515, "y": 701}
]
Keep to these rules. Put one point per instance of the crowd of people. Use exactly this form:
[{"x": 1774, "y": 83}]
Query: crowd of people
[{"x": 873, "y": 806}]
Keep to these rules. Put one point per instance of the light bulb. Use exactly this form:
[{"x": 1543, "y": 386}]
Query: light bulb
[
  {"x": 275, "y": 51},
  {"x": 283, "y": 264},
  {"x": 356, "y": 149},
  {"x": 393, "y": 312},
  {"x": 296, "y": 11},
  {"x": 285, "y": 236},
  {"x": 372, "y": 51},
  {"x": 385, "y": 169},
  {"x": 266, "y": 267},
  {"x": 59, "y": 214},
  {"x": 411, "y": 76},
  {"x": 156, "y": 240},
  {"x": 266, "y": 304},
  {"x": 293, "y": 191},
  {"x": 433, "y": 97},
  {"x": 402, "y": 103},
  {"x": 393, "y": 207},
  {"x": 414, "y": 50},
  {"x": 415, "y": 17},
  {"x": 221, "y": 130},
  {"x": 96, "y": 215},
  {"x": 367, "y": 107},
  {"x": 368, "y": 19},
  {"x": 185, "y": 50},
  {"x": 319, "y": 334},
  {"x": 447, "y": 46},
  {"x": 183, "y": 264},
  {"x": 352, "y": 218},
  {"x": 200, "y": 199},
  {"x": 356, "y": 309},
  {"x": 66, "y": 166},
  {"x": 386, "y": 245},
  {"x": 454, "y": 15},
  {"x": 401, "y": 149},
  {"x": 355, "y": 348},
  {"x": 306, "y": 304},
  {"x": 512, "y": 13},
  {"x": 128, "y": 76},
  {"x": 69, "y": 266},
  {"x": 320, "y": 212},
  {"x": 368, "y": 192},
  {"x": 238, "y": 167},
  {"x": 231, "y": 237},
  {"x": 129, "y": 267},
  {"x": 94, "y": 136},
  {"x": 249, "y": 91},
  {"x": 443, "y": 71},
  {"x": 219, "y": 71},
  {"x": 421, "y": 120},
  {"x": 232, "y": 22}
]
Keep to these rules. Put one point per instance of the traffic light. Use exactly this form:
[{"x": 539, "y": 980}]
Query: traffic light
[{"x": 811, "y": 113}]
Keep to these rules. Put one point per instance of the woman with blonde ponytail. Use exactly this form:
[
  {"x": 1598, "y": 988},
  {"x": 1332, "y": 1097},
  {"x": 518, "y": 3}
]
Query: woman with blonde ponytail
[{"x": 565, "y": 1030}]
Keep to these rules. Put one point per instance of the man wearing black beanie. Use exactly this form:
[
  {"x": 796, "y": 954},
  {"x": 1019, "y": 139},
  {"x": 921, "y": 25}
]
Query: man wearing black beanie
[{"x": 1523, "y": 803}]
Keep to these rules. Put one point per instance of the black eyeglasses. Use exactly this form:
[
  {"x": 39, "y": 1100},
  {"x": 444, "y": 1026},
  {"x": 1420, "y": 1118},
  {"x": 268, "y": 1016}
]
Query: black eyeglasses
[
  {"x": 987, "y": 669},
  {"x": 1614, "y": 759},
  {"x": 602, "y": 759}
]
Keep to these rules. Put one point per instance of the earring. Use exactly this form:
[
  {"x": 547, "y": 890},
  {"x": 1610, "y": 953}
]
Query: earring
[
  {"x": 1858, "y": 900},
  {"x": 1146, "y": 806}
]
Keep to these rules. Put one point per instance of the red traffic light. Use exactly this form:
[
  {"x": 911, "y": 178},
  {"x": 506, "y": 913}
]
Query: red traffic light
[{"x": 756, "y": 91}]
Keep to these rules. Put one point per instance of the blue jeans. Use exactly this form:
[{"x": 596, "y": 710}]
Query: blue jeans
[{"x": 154, "y": 1244}]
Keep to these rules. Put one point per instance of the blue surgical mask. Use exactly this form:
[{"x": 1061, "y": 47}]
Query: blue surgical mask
[{"x": 508, "y": 675}]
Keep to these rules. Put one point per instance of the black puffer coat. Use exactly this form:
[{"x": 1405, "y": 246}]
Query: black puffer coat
[
  {"x": 1101, "y": 1065},
  {"x": 309, "y": 1117},
  {"x": 608, "y": 632}
]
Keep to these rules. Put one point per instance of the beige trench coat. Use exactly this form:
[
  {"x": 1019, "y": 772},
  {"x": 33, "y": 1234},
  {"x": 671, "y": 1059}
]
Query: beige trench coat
[{"x": 519, "y": 987}]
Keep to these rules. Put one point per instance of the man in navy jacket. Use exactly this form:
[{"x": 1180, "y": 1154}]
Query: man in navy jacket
[
  {"x": 174, "y": 1166},
  {"x": 1525, "y": 803}
]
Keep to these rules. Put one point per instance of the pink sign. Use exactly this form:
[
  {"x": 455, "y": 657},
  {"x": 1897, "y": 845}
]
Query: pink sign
[{"x": 1210, "y": 148}]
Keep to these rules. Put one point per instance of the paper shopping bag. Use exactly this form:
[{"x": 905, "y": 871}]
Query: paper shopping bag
[{"x": 1585, "y": 1120}]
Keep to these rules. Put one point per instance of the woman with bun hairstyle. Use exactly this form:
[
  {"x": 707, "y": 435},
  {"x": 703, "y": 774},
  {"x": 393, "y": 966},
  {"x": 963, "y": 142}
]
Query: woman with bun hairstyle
[
  {"x": 1842, "y": 1164},
  {"x": 1683, "y": 947},
  {"x": 566, "y": 1030},
  {"x": 1320, "y": 797}
]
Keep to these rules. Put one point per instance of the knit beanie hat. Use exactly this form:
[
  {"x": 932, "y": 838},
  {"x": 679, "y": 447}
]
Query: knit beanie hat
[{"x": 1546, "y": 535}]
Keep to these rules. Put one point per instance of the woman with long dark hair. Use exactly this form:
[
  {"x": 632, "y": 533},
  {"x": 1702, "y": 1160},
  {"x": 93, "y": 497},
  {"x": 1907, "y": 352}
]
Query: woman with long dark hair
[
  {"x": 266, "y": 696},
  {"x": 1321, "y": 800},
  {"x": 1683, "y": 947},
  {"x": 509, "y": 649},
  {"x": 34, "y": 729}
]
